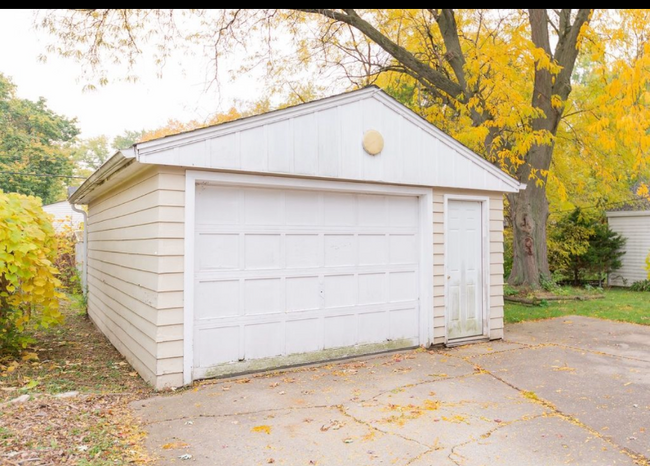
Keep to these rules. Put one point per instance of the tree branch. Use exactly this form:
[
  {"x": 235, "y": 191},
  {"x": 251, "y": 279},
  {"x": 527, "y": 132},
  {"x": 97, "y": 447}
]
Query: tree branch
[{"x": 424, "y": 73}]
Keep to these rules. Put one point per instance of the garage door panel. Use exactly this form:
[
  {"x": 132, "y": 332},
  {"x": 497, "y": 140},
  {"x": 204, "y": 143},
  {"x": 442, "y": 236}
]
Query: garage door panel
[
  {"x": 214, "y": 346},
  {"x": 339, "y": 209},
  {"x": 372, "y": 288},
  {"x": 304, "y": 336},
  {"x": 304, "y": 250},
  {"x": 263, "y": 207},
  {"x": 402, "y": 286},
  {"x": 263, "y": 340},
  {"x": 293, "y": 271},
  {"x": 262, "y": 296},
  {"x": 403, "y": 324},
  {"x": 340, "y": 331},
  {"x": 402, "y": 211},
  {"x": 403, "y": 249},
  {"x": 373, "y": 249},
  {"x": 224, "y": 205},
  {"x": 302, "y": 208},
  {"x": 340, "y": 290},
  {"x": 373, "y": 327},
  {"x": 340, "y": 250},
  {"x": 303, "y": 293},
  {"x": 216, "y": 299},
  {"x": 219, "y": 251},
  {"x": 372, "y": 210},
  {"x": 262, "y": 251}
]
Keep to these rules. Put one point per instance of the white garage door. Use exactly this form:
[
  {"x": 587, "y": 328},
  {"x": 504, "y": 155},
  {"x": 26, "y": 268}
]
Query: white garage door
[{"x": 281, "y": 272}]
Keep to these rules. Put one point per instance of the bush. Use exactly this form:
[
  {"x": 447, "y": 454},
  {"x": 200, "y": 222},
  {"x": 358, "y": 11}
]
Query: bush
[
  {"x": 583, "y": 246},
  {"x": 28, "y": 279},
  {"x": 66, "y": 260},
  {"x": 642, "y": 285}
]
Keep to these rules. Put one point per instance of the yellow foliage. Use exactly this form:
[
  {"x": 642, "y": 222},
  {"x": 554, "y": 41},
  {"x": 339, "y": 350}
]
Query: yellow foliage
[
  {"x": 28, "y": 280},
  {"x": 175, "y": 126}
]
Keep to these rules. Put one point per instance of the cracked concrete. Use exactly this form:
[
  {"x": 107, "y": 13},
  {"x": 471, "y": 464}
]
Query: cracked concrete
[{"x": 564, "y": 391}]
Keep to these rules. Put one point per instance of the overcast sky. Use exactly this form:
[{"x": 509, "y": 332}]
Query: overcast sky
[{"x": 181, "y": 93}]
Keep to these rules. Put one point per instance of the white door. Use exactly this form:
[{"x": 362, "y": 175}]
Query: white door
[
  {"x": 464, "y": 269},
  {"x": 280, "y": 271}
]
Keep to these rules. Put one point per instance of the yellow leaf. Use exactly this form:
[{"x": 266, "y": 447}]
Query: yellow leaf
[{"x": 262, "y": 429}]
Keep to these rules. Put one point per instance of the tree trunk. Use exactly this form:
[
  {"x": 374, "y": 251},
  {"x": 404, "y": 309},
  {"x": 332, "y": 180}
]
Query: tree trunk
[{"x": 529, "y": 212}]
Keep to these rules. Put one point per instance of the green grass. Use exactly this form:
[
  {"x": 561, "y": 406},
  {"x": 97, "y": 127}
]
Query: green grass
[{"x": 618, "y": 304}]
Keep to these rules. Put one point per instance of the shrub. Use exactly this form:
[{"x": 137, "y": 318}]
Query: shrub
[
  {"x": 66, "y": 260},
  {"x": 642, "y": 285},
  {"x": 28, "y": 279},
  {"x": 582, "y": 245}
]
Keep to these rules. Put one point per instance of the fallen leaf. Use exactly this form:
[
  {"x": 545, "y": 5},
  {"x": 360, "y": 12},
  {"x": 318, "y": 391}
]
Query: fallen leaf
[
  {"x": 133, "y": 374},
  {"x": 262, "y": 429},
  {"x": 242, "y": 381},
  {"x": 271, "y": 461},
  {"x": 274, "y": 384},
  {"x": 175, "y": 446}
]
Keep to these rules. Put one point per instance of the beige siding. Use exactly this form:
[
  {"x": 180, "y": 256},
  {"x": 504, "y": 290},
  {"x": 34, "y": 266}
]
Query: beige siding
[
  {"x": 135, "y": 271},
  {"x": 496, "y": 263},
  {"x": 635, "y": 227}
]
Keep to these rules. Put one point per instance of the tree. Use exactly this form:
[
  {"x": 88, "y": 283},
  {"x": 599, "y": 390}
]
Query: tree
[
  {"x": 33, "y": 141},
  {"x": 89, "y": 154},
  {"x": 498, "y": 80},
  {"x": 584, "y": 245},
  {"x": 127, "y": 139}
]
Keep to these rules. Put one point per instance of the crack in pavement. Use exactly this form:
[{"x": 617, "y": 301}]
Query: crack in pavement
[
  {"x": 243, "y": 413},
  {"x": 490, "y": 432},
  {"x": 637, "y": 457},
  {"x": 385, "y": 432}
]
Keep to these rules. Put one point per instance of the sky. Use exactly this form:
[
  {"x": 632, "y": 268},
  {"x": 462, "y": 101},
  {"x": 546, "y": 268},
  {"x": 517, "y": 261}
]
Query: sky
[{"x": 181, "y": 93}]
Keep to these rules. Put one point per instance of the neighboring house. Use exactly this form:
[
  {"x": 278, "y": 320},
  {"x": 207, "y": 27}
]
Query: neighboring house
[
  {"x": 281, "y": 239},
  {"x": 64, "y": 217},
  {"x": 632, "y": 221}
]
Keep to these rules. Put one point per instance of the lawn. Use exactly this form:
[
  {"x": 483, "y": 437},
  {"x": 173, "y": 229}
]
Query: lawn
[
  {"x": 618, "y": 304},
  {"x": 92, "y": 428}
]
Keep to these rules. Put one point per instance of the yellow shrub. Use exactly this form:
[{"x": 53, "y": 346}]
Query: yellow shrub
[{"x": 28, "y": 279}]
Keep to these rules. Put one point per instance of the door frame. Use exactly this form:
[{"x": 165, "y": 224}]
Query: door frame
[
  {"x": 485, "y": 261},
  {"x": 425, "y": 230}
]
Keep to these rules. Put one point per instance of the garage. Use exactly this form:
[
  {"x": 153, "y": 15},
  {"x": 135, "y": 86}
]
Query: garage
[{"x": 339, "y": 227}]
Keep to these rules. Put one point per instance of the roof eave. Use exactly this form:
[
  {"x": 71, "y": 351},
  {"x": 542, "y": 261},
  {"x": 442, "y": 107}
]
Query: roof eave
[{"x": 116, "y": 163}]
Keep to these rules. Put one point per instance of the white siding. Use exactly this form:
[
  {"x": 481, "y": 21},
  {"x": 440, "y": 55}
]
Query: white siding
[
  {"x": 135, "y": 271},
  {"x": 64, "y": 216},
  {"x": 324, "y": 139},
  {"x": 635, "y": 226}
]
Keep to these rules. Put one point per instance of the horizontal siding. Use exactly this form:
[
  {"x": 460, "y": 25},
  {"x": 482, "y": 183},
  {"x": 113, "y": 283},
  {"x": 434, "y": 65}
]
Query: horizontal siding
[
  {"x": 495, "y": 229},
  {"x": 135, "y": 271},
  {"x": 636, "y": 229}
]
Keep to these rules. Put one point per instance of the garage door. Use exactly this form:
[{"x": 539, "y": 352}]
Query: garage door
[{"x": 281, "y": 272}]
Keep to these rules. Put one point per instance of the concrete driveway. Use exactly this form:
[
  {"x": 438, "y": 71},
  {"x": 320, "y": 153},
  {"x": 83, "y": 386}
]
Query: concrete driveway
[{"x": 564, "y": 391}]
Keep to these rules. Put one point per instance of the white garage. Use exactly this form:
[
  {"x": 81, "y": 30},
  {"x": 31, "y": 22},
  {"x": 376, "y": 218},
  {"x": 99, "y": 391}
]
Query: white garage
[{"x": 339, "y": 227}]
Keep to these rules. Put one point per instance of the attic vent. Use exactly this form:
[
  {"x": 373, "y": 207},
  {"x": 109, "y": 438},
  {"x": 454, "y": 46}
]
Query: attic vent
[{"x": 373, "y": 142}]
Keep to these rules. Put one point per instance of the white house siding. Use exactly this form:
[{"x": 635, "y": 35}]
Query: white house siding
[
  {"x": 135, "y": 263},
  {"x": 635, "y": 227},
  {"x": 496, "y": 262},
  {"x": 64, "y": 216}
]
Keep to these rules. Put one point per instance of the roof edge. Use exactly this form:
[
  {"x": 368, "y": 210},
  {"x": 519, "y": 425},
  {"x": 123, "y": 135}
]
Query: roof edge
[{"x": 114, "y": 164}]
